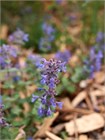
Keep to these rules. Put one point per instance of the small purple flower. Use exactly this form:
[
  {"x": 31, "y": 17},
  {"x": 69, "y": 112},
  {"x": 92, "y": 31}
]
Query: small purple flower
[
  {"x": 52, "y": 83},
  {"x": 62, "y": 67},
  {"x": 29, "y": 138},
  {"x": 49, "y": 112},
  {"x": 41, "y": 111},
  {"x": 34, "y": 98},
  {"x": 53, "y": 102},
  {"x": 100, "y": 54},
  {"x": 41, "y": 63},
  {"x": 59, "y": 104},
  {"x": 43, "y": 80},
  {"x": 0, "y": 99},
  {"x": 16, "y": 78},
  {"x": 44, "y": 99},
  {"x": 26, "y": 37},
  {"x": 40, "y": 89}
]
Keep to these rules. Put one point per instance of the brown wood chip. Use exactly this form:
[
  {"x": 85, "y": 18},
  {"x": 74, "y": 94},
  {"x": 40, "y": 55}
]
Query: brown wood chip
[{"x": 85, "y": 124}]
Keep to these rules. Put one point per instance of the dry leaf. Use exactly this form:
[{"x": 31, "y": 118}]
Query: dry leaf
[
  {"x": 85, "y": 124},
  {"x": 58, "y": 128},
  {"x": 103, "y": 134},
  {"x": 78, "y": 110},
  {"x": 48, "y": 139},
  {"x": 89, "y": 104},
  {"x": 74, "y": 60},
  {"x": 80, "y": 97},
  {"x": 83, "y": 137},
  {"x": 21, "y": 135},
  {"x": 66, "y": 103},
  {"x": 46, "y": 125},
  {"x": 52, "y": 136},
  {"x": 3, "y": 32},
  {"x": 97, "y": 93},
  {"x": 99, "y": 77},
  {"x": 94, "y": 100}
]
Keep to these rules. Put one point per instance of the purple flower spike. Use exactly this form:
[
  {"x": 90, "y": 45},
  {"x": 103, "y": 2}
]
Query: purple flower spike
[
  {"x": 49, "y": 71},
  {"x": 49, "y": 78}
]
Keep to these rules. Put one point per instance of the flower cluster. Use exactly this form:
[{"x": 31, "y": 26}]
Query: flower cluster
[
  {"x": 6, "y": 52},
  {"x": 49, "y": 77},
  {"x": 63, "y": 56},
  {"x": 3, "y": 123},
  {"x": 45, "y": 42},
  {"x": 18, "y": 37},
  {"x": 94, "y": 61}
]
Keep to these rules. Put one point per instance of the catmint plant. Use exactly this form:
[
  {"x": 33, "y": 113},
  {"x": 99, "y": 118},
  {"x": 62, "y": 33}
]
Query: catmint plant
[
  {"x": 18, "y": 37},
  {"x": 49, "y": 71},
  {"x": 48, "y": 37}
]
